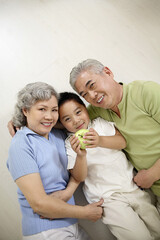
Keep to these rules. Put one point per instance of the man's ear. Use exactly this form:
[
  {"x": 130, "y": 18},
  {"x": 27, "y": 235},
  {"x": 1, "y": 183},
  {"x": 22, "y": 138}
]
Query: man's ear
[{"x": 108, "y": 71}]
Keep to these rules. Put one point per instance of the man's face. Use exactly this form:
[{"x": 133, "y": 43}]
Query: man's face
[{"x": 99, "y": 90}]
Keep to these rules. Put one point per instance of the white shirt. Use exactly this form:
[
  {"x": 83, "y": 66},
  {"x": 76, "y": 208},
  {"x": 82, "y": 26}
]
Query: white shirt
[{"x": 109, "y": 170}]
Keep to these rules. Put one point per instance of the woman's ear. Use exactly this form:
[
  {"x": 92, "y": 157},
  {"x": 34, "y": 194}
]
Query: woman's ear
[{"x": 24, "y": 110}]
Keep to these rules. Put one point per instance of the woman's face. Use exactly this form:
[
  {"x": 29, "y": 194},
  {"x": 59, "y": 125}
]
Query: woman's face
[
  {"x": 73, "y": 116},
  {"x": 42, "y": 116}
]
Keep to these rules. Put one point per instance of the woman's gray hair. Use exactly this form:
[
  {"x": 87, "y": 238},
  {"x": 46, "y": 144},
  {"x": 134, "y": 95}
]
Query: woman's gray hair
[
  {"x": 28, "y": 96},
  {"x": 87, "y": 65}
]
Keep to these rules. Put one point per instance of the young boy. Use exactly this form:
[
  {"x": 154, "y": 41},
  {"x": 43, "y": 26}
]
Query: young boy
[{"x": 107, "y": 173}]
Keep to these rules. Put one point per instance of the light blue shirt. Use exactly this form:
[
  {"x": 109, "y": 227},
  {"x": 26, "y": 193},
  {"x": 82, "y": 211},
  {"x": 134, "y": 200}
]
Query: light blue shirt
[{"x": 32, "y": 153}]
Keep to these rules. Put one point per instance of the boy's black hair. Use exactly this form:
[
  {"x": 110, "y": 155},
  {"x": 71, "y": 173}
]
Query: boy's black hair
[{"x": 68, "y": 96}]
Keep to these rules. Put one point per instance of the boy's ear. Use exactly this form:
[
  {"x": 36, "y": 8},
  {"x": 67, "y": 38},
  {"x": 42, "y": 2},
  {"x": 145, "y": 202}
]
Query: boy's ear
[{"x": 108, "y": 71}]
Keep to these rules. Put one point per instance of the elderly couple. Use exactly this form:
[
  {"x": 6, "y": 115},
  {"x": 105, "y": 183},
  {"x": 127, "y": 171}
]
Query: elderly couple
[{"x": 47, "y": 163}]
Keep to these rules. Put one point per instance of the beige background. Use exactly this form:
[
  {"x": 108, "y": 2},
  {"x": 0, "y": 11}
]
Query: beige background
[{"x": 41, "y": 40}]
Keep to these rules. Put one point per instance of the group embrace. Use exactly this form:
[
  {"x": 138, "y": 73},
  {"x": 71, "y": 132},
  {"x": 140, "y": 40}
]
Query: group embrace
[{"x": 120, "y": 163}]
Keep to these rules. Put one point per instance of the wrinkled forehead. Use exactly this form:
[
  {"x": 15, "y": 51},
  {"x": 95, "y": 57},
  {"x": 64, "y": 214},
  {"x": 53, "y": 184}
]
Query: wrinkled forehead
[{"x": 83, "y": 80}]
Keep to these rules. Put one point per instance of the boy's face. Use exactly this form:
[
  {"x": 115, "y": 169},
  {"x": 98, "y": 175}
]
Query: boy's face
[
  {"x": 42, "y": 116},
  {"x": 73, "y": 116}
]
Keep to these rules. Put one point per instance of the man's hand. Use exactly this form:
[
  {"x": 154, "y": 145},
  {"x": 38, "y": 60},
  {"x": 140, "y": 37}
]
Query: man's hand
[
  {"x": 144, "y": 178},
  {"x": 12, "y": 130}
]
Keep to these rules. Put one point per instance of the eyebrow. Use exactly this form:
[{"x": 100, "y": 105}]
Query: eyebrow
[
  {"x": 68, "y": 115},
  {"x": 43, "y": 105},
  {"x": 65, "y": 116},
  {"x": 86, "y": 85}
]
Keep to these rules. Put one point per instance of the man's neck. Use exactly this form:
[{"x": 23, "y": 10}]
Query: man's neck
[
  {"x": 119, "y": 99},
  {"x": 116, "y": 110}
]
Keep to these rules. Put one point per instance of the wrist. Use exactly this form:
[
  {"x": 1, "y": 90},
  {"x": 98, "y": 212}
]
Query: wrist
[
  {"x": 84, "y": 212},
  {"x": 68, "y": 192},
  {"x": 154, "y": 173},
  {"x": 100, "y": 142},
  {"x": 82, "y": 155}
]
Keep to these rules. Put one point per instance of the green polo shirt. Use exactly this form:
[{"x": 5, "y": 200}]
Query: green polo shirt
[{"x": 139, "y": 123}]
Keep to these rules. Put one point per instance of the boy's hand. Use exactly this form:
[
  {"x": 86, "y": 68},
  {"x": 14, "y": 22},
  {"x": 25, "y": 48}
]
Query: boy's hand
[
  {"x": 92, "y": 138},
  {"x": 75, "y": 144}
]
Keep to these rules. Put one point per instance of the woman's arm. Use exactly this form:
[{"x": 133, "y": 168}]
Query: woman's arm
[{"x": 49, "y": 207}]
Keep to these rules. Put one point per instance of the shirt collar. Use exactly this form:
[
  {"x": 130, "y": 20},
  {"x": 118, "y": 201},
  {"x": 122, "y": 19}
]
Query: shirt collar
[
  {"x": 28, "y": 131},
  {"x": 124, "y": 95}
]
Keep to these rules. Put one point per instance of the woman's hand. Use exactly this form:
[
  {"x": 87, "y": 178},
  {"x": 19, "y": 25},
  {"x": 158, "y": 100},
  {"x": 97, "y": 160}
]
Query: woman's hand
[{"x": 94, "y": 211}]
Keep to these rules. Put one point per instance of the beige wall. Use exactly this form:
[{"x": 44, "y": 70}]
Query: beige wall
[{"x": 41, "y": 40}]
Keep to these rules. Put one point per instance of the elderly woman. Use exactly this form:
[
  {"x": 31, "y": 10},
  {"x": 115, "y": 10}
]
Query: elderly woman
[{"x": 38, "y": 164}]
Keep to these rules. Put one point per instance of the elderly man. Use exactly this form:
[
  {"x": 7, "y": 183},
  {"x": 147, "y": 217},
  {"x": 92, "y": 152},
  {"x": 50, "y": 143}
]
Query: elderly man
[{"x": 135, "y": 109}]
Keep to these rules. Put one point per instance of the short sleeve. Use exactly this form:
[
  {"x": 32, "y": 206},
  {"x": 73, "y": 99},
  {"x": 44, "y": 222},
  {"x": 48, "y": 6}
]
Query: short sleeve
[
  {"x": 21, "y": 160},
  {"x": 151, "y": 99}
]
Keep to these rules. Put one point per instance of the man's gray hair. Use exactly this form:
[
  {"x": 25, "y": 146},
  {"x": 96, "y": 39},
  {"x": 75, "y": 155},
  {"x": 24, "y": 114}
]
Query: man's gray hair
[
  {"x": 28, "y": 96},
  {"x": 87, "y": 65}
]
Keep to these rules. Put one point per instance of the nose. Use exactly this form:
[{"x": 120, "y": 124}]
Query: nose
[
  {"x": 92, "y": 94},
  {"x": 75, "y": 119},
  {"x": 48, "y": 115}
]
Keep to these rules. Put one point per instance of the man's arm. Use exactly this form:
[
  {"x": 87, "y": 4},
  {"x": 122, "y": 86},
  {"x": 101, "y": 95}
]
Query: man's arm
[
  {"x": 116, "y": 141},
  {"x": 150, "y": 94},
  {"x": 146, "y": 177},
  {"x": 11, "y": 128}
]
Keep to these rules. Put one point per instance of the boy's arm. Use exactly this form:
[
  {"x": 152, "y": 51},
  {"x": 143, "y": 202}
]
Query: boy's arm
[
  {"x": 116, "y": 141},
  {"x": 79, "y": 171},
  {"x": 67, "y": 193}
]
